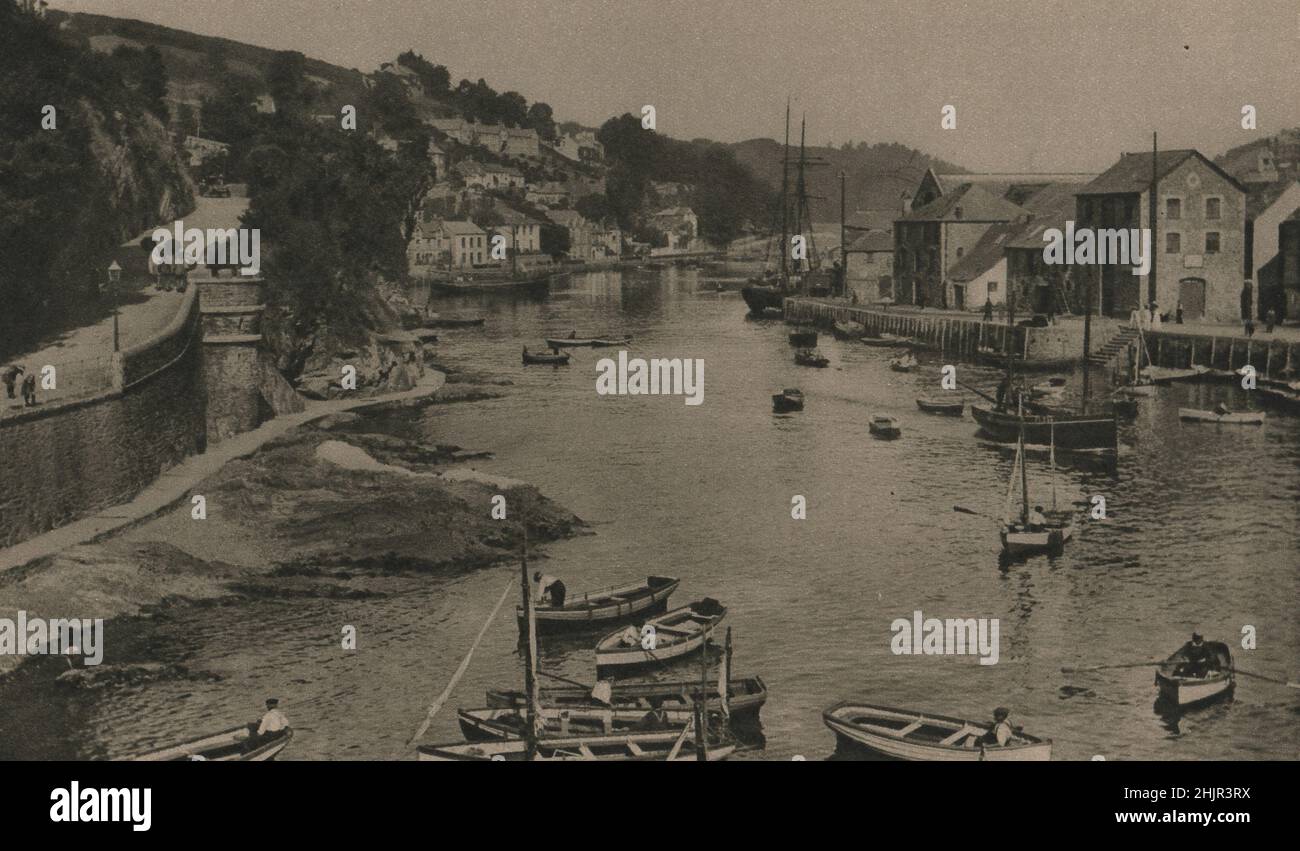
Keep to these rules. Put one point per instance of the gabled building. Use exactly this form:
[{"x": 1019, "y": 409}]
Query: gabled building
[
  {"x": 1268, "y": 206},
  {"x": 680, "y": 224},
  {"x": 931, "y": 239},
  {"x": 549, "y": 194},
  {"x": 522, "y": 232},
  {"x": 581, "y": 146},
  {"x": 489, "y": 175},
  {"x": 981, "y": 273},
  {"x": 1033, "y": 285},
  {"x": 870, "y": 264},
  {"x": 467, "y": 243},
  {"x": 1199, "y": 247},
  {"x": 580, "y": 232}
]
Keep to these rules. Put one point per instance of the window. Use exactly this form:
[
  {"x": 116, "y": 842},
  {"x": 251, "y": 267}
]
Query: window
[
  {"x": 957, "y": 213},
  {"x": 1212, "y": 242},
  {"x": 1212, "y": 208},
  {"x": 1173, "y": 243},
  {"x": 993, "y": 287},
  {"x": 960, "y": 251},
  {"x": 1173, "y": 208}
]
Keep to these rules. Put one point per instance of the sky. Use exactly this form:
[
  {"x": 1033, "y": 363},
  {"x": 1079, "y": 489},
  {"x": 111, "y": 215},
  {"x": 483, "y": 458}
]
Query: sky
[{"x": 1038, "y": 85}]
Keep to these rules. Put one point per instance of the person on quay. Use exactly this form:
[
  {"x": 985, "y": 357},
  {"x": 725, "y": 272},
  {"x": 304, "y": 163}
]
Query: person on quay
[
  {"x": 1001, "y": 732},
  {"x": 29, "y": 390},
  {"x": 10, "y": 377},
  {"x": 1247, "y": 302},
  {"x": 1198, "y": 660},
  {"x": 550, "y": 591},
  {"x": 988, "y": 309},
  {"x": 1178, "y": 314},
  {"x": 1270, "y": 319}
]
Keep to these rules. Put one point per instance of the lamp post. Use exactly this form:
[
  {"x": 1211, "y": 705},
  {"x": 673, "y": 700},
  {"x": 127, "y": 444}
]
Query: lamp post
[{"x": 114, "y": 279}]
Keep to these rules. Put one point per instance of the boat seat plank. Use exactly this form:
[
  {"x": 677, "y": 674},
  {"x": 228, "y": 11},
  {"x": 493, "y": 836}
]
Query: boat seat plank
[
  {"x": 910, "y": 728},
  {"x": 963, "y": 732},
  {"x": 635, "y": 748}
]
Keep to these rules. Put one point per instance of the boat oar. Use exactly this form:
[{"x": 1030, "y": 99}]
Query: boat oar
[
  {"x": 565, "y": 680},
  {"x": 1108, "y": 667},
  {"x": 964, "y": 510},
  {"x": 1286, "y": 683}
]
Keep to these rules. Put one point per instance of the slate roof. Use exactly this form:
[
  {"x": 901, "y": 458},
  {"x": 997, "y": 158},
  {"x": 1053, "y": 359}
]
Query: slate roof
[
  {"x": 1132, "y": 173},
  {"x": 873, "y": 240},
  {"x": 977, "y": 205},
  {"x": 985, "y": 254},
  {"x": 1260, "y": 198}
]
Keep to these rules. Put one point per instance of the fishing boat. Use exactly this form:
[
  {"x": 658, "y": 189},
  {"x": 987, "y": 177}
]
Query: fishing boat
[
  {"x": 946, "y": 409},
  {"x": 652, "y": 746},
  {"x": 910, "y": 735},
  {"x": 487, "y": 723},
  {"x": 1138, "y": 385},
  {"x": 558, "y": 358},
  {"x": 677, "y": 633},
  {"x": 227, "y": 746},
  {"x": 789, "y": 399},
  {"x": 811, "y": 357},
  {"x": 771, "y": 313},
  {"x": 600, "y": 609},
  {"x": 745, "y": 697},
  {"x": 887, "y": 341},
  {"x": 906, "y": 363},
  {"x": 574, "y": 341},
  {"x": 1020, "y": 537},
  {"x": 848, "y": 330},
  {"x": 882, "y": 425},
  {"x": 805, "y": 338},
  {"x": 1168, "y": 375},
  {"x": 1180, "y": 690},
  {"x": 1223, "y": 417},
  {"x": 1070, "y": 431}
]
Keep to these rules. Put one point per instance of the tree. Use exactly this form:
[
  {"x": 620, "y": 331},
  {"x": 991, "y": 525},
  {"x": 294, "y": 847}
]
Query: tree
[
  {"x": 542, "y": 119},
  {"x": 554, "y": 240},
  {"x": 286, "y": 80},
  {"x": 153, "y": 82},
  {"x": 434, "y": 79}
]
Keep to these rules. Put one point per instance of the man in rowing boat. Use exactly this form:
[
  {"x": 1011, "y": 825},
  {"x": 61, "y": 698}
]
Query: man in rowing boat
[
  {"x": 550, "y": 590},
  {"x": 273, "y": 725},
  {"x": 1001, "y": 732},
  {"x": 1198, "y": 660},
  {"x": 1036, "y": 519}
]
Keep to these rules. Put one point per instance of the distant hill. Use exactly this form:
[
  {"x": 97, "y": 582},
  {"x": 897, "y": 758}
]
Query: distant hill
[
  {"x": 1244, "y": 160},
  {"x": 875, "y": 175}
]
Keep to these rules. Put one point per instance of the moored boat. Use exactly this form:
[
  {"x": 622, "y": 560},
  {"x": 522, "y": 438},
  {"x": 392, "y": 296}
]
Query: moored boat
[
  {"x": 575, "y": 341},
  {"x": 910, "y": 735},
  {"x": 677, "y": 633},
  {"x": 805, "y": 338},
  {"x": 600, "y": 609},
  {"x": 1180, "y": 689},
  {"x": 887, "y": 341},
  {"x": 1167, "y": 375},
  {"x": 745, "y": 697},
  {"x": 453, "y": 322},
  {"x": 555, "y": 358},
  {"x": 907, "y": 363},
  {"x": 1053, "y": 387},
  {"x": 657, "y": 746},
  {"x": 882, "y": 425},
  {"x": 789, "y": 399},
  {"x": 1223, "y": 417},
  {"x": 947, "y": 409},
  {"x": 1071, "y": 431},
  {"x": 811, "y": 357},
  {"x": 227, "y": 746},
  {"x": 848, "y": 330},
  {"x": 761, "y": 299}
]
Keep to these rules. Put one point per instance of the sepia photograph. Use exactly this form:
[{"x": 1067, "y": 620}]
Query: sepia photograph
[{"x": 866, "y": 381}]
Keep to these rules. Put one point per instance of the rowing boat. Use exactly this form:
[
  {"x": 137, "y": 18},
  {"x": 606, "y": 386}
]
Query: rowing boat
[
  {"x": 596, "y": 342},
  {"x": 1019, "y": 539},
  {"x": 677, "y": 633},
  {"x": 887, "y": 341},
  {"x": 227, "y": 746},
  {"x": 745, "y": 697},
  {"x": 601, "y": 609},
  {"x": 882, "y": 425},
  {"x": 805, "y": 339},
  {"x": 848, "y": 330},
  {"x": 789, "y": 399},
  {"x": 557, "y": 358},
  {"x": 947, "y": 409},
  {"x": 1167, "y": 375},
  {"x": 656, "y": 746},
  {"x": 1180, "y": 690},
  {"x": 903, "y": 364},
  {"x": 811, "y": 357},
  {"x": 1228, "y": 418},
  {"x": 910, "y": 735},
  {"x": 1052, "y": 387}
]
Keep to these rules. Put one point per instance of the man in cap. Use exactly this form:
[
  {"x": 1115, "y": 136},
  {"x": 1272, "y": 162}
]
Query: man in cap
[
  {"x": 550, "y": 590},
  {"x": 1198, "y": 660},
  {"x": 1037, "y": 520},
  {"x": 273, "y": 724},
  {"x": 1001, "y": 732}
]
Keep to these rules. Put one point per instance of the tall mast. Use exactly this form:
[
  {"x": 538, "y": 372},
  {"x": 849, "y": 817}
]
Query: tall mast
[
  {"x": 530, "y": 657},
  {"x": 1151, "y": 216},
  {"x": 844, "y": 256},
  {"x": 800, "y": 190},
  {"x": 1024, "y": 471},
  {"x": 785, "y": 211}
]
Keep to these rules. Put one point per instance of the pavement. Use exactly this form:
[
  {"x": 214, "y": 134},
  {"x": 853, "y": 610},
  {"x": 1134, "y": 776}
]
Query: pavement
[
  {"x": 174, "y": 485},
  {"x": 82, "y": 356}
]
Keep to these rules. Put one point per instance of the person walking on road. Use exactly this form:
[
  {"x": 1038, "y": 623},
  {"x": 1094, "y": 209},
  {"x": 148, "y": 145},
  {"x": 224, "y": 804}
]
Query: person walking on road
[
  {"x": 29, "y": 390},
  {"x": 10, "y": 377}
]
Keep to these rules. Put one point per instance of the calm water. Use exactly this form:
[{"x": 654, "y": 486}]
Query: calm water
[{"x": 1201, "y": 532}]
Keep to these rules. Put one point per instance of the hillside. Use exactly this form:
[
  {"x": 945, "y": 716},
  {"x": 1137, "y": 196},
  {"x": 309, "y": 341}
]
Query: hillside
[
  {"x": 1283, "y": 146},
  {"x": 875, "y": 175}
]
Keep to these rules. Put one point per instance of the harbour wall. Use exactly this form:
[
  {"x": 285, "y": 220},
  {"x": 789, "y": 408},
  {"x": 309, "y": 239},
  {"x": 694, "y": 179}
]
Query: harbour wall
[
  {"x": 1271, "y": 357},
  {"x": 968, "y": 338}
]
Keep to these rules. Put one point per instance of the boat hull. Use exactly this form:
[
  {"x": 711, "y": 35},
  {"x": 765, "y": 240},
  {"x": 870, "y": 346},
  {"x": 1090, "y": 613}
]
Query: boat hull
[
  {"x": 679, "y": 633},
  {"x": 226, "y": 746},
  {"x": 1235, "y": 418},
  {"x": 760, "y": 298},
  {"x": 617, "y": 605},
  {"x": 745, "y": 697},
  {"x": 783, "y": 404},
  {"x": 1184, "y": 691},
  {"x": 944, "y": 409},
  {"x": 1067, "y": 431},
  {"x": 633, "y": 747},
  {"x": 903, "y": 735},
  {"x": 1048, "y": 540}
]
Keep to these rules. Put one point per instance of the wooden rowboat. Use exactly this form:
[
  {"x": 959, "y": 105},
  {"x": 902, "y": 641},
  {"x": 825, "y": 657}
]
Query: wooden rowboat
[
  {"x": 887, "y": 341},
  {"x": 570, "y": 342},
  {"x": 745, "y": 697},
  {"x": 678, "y": 633},
  {"x": 806, "y": 339},
  {"x": 1019, "y": 540},
  {"x": 848, "y": 330},
  {"x": 1230, "y": 418},
  {"x": 226, "y": 746},
  {"x": 811, "y": 357},
  {"x": 885, "y": 426},
  {"x": 1167, "y": 375},
  {"x": 603, "y": 608},
  {"x": 947, "y": 409},
  {"x": 789, "y": 399},
  {"x": 657, "y": 746},
  {"x": 1179, "y": 690},
  {"x": 558, "y": 358},
  {"x": 909, "y": 735},
  {"x": 903, "y": 364}
]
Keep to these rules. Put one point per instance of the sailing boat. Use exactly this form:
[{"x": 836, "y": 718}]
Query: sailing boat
[
  {"x": 793, "y": 274},
  {"x": 1020, "y": 537},
  {"x": 1138, "y": 384},
  {"x": 672, "y": 745}
]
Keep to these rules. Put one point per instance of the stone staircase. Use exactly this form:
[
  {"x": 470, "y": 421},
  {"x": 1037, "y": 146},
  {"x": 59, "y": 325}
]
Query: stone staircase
[{"x": 1118, "y": 343}]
